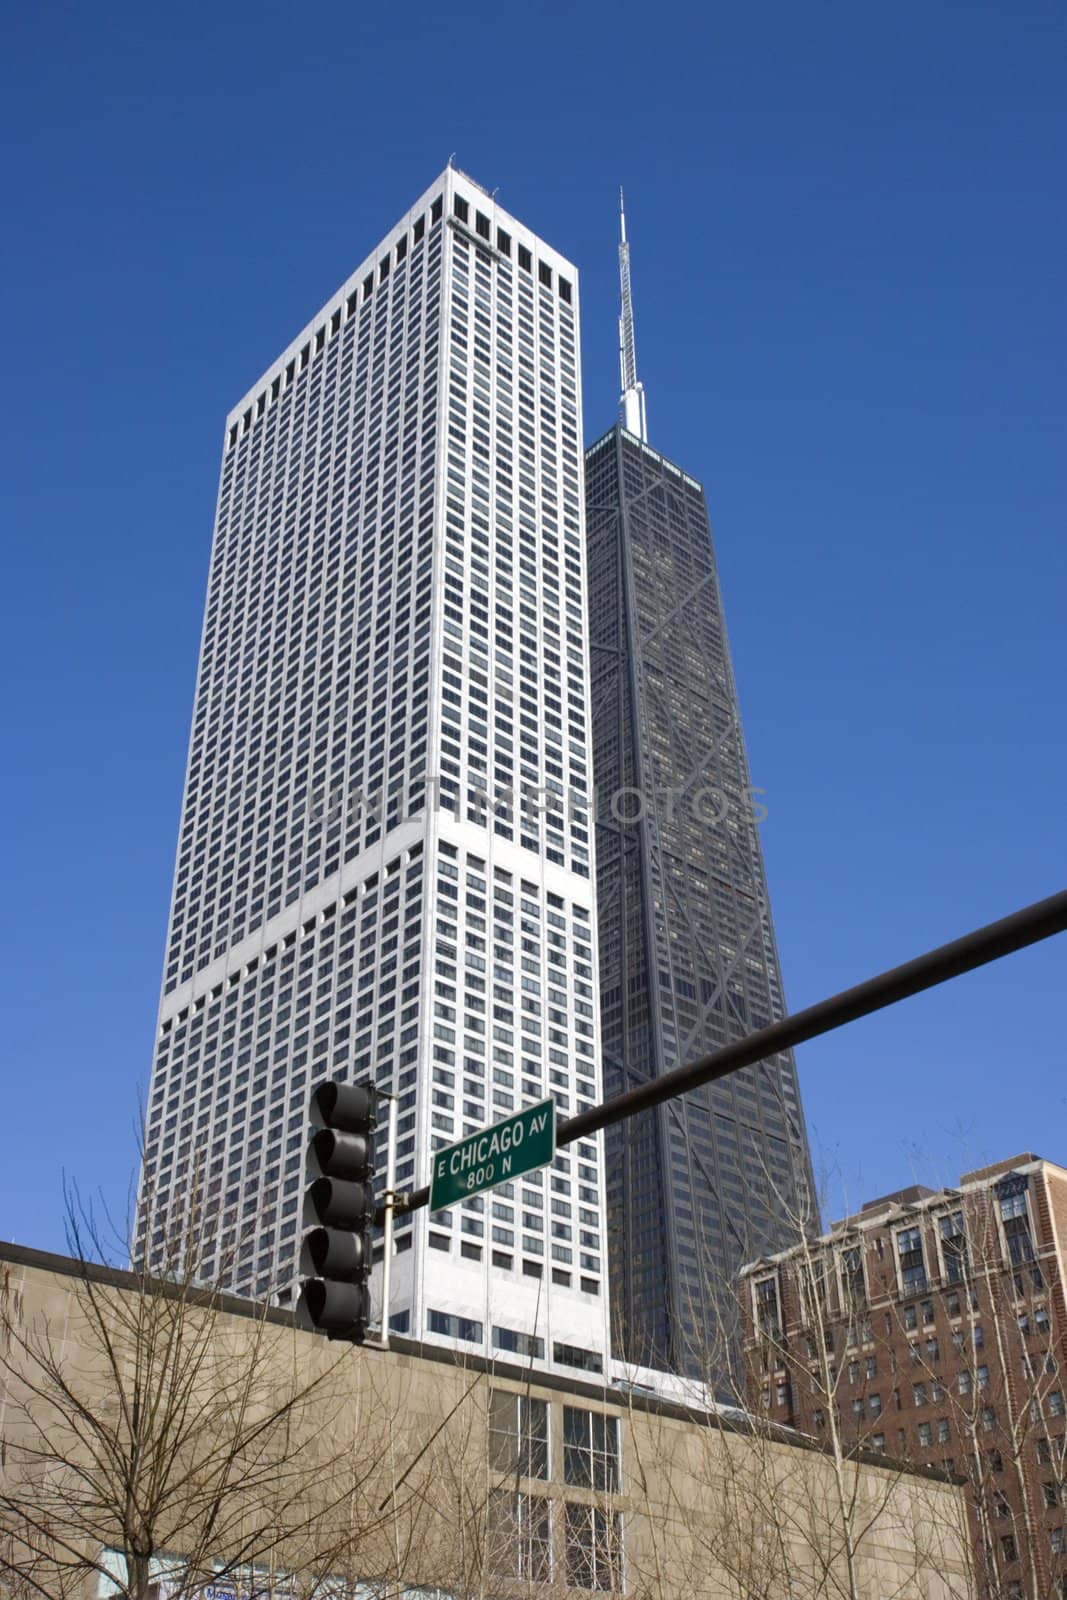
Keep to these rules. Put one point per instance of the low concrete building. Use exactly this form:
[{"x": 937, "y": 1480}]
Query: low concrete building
[{"x": 263, "y": 1460}]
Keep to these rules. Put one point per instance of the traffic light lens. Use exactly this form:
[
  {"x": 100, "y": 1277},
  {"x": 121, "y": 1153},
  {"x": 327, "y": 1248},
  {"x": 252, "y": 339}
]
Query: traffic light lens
[
  {"x": 345, "y": 1106},
  {"x": 337, "y": 1254},
  {"x": 343, "y": 1155},
  {"x": 342, "y": 1309},
  {"x": 338, "y": 1204}
]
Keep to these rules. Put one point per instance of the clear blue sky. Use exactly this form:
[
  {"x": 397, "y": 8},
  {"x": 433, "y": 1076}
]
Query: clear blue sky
[{"x": 849, "y": 234}]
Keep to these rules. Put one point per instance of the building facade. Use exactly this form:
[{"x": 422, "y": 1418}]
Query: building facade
[
  {"x": 377, "y": 877},
  {"x": 931, "y": 1327},
  {"x": 687, "y": 953}
]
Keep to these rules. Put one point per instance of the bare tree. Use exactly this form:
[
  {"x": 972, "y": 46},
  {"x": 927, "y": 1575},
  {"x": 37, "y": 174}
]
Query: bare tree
[{"x": 140, "y": 1421}]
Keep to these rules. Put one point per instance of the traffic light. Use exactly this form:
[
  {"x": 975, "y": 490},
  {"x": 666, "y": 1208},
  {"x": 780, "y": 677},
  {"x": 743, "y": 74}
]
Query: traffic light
[{"x": 335, "y": 1253}]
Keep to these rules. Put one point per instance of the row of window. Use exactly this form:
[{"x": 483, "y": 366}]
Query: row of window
[
  {"x": 519, "y": 1442},
  {"x": 280, "y": 1026},
  {"x": 485, "y": 734},
  {"x": 913, "y": 1275},
  {"x": 356, "y": 297},
  {"x": 359, "y": 295},
  {"x": 520, "y": 1541},
  {"x": 304, "y": 636},
  {"x": 521, "y": 1529}
]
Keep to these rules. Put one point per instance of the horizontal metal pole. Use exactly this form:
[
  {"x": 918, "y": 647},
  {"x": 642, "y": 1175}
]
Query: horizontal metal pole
[{"x": 977, "y": 949}]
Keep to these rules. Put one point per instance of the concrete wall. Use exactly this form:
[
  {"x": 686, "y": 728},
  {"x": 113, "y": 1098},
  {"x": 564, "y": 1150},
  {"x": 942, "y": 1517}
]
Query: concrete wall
[{"x": 394, "y": 1448}]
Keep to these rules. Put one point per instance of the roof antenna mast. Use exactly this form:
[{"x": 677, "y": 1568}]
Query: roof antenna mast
[{"x": 632, "y": 404}]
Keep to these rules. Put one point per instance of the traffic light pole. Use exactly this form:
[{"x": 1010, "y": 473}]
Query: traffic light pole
[
  {"x": 1034, "y": 923},
  {"x": 388, "y": 1211}
]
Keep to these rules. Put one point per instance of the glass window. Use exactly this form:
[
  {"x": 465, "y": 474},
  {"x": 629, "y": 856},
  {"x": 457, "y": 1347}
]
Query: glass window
[
  {"x": 522, "y": 1344},
  {"x": 1011, "y": 1193},
  {"x": 519, "y": 1536},
  {"x": 569, "y": 1355},
  {"x": 590, "y": 1449},
  {"x": 453, "y": 1327},
  {"x": 768, "y": 1315},
  {"x": 518, "y": 1434},
  {"x": 852, "y": 1278},
  {"x": 912, "y": 1264},
  {"x": 593, "y": 1548}
]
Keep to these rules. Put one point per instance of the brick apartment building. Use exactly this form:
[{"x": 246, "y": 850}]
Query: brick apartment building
[{"x": 932, "y": 1327}]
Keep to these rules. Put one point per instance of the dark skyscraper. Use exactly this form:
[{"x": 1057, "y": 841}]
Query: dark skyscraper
[{"x": 687, "y": 953}]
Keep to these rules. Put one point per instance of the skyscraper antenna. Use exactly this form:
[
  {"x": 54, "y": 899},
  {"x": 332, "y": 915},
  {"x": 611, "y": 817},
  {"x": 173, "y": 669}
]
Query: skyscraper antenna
[{"x": 632, "y": 403}]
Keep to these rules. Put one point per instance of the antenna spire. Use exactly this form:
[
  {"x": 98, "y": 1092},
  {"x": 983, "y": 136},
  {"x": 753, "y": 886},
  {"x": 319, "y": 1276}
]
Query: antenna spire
[{"x": 632, "y": 403}]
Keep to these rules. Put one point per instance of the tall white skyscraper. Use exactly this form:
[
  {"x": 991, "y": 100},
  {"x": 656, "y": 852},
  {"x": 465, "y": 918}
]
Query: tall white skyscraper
[{"x": 385, "y": 862}]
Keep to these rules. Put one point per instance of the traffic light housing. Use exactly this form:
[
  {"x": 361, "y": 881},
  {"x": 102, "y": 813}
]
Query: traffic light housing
[{"x": 335, "y": 1252}]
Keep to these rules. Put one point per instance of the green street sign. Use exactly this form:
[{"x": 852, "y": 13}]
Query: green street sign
[{"x": 495, "y": 1155}]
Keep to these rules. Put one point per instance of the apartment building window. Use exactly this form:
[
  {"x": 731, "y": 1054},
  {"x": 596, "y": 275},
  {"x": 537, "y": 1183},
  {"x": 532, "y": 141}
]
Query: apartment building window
[
  {"x": 1015, "y": 1218},
  {"x": 590, "y": 1449},
  {"x": 518, "y": 1434},
  {"x": 519, "y": 1536},
  {"x": 852, "y": 1279},
  {"x": 768, "y": 1314},
  {"x": 593, "y": 1548},
  {"x": 912, "y": 1264},
  {"x": 954, "y": 1247}
]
